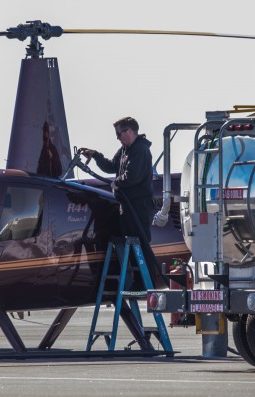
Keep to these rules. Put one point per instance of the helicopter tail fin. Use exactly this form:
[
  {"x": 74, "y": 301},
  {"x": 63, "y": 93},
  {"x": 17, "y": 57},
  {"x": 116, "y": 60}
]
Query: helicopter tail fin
[{"x": 39, "y": 140}]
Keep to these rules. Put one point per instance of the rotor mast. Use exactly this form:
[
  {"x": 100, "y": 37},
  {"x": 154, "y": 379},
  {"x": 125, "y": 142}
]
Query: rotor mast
[{"x": 33, "y": 29}]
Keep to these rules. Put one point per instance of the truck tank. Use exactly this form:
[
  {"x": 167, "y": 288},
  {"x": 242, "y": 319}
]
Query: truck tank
[{"x": 238, "y": 182}]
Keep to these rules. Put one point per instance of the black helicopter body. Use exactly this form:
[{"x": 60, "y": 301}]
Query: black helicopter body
[{"x": 53, "y": 238}]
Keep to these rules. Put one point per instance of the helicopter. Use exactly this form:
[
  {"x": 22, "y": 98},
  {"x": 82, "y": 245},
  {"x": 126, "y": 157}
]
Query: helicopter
[{"x": 54, "y": 229}]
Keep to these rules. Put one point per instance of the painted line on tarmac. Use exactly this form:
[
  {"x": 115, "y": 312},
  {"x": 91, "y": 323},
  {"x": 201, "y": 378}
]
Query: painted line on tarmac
[{"x": 31, "y": 378}]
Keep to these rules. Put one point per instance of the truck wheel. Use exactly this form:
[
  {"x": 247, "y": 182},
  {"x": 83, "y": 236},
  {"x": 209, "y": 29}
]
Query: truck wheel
[
  {"x": 250, "y": 329},
  {"x": 240, "y": 339}
]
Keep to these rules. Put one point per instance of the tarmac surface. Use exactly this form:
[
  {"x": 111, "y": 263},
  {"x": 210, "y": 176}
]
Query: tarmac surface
[{"x": 187, "y": 374}]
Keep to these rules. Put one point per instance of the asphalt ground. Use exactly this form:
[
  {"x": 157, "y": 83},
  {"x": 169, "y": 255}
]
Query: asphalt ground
[{"x": 187, "y": 374}]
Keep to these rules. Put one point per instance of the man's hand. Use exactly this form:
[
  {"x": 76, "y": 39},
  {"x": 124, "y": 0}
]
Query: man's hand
[{"x": 88, "y": 153}]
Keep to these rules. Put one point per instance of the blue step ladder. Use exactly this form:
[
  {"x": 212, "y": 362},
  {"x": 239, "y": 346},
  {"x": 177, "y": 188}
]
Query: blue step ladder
[{"x": 123, "y": 250}]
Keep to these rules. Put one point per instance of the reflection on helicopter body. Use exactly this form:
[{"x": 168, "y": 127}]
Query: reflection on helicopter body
[{"x": 49, "y": 163}]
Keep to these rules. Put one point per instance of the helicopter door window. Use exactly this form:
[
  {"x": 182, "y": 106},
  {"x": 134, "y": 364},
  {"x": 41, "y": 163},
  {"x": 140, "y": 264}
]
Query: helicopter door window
[{"x": 21, "y": 213}]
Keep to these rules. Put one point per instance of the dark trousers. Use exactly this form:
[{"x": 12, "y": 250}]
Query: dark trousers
[{"x": 143, "y": 210}]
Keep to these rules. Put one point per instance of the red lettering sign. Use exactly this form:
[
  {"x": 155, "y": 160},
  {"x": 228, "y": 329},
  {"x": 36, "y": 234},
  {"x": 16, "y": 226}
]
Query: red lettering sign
[
  {"x": 231, "y": 193},
  {"x": 206, "y": 308},
  {"x": 206, "y": 295}
]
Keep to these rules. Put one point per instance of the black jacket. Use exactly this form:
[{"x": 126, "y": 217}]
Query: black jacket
[{"x": 133, "y": 168}]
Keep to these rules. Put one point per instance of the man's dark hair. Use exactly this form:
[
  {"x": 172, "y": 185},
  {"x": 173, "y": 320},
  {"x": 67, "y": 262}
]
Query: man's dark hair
[{"x": 127, "y": 122}]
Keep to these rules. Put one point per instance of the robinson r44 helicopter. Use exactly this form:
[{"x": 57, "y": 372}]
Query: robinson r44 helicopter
[{"x": 54, "y": 229}]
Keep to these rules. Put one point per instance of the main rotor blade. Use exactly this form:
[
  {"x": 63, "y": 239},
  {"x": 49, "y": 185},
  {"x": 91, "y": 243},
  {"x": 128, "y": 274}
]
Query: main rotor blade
[{"x": 157, "y": 32}]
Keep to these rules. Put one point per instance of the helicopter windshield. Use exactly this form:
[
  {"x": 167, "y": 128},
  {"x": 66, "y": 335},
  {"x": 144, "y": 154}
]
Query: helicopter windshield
[{"x": 21, "y": 213}]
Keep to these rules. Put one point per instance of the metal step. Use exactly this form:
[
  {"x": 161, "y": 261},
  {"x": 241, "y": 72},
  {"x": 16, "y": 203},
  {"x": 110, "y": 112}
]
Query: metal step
[
  {"x": 207, "y": 185},
  {"x": 205, "y": 151},
  {"x": 235, "y": 217},
  {"x": 247, "y": 162}
]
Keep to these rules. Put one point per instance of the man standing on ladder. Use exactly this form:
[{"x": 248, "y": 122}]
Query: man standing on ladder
[
  {"x": 133, "y": 167},
  {"x": 133, "y": 187}
]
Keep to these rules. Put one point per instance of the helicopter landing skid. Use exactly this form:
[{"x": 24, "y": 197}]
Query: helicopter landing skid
[
  {"x": 44, "y": 350},
  {"x": 11, "y": 333}
]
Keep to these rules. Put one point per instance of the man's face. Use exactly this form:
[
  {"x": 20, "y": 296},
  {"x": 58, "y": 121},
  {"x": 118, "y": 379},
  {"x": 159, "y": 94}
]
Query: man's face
[{"x": 125, "y": 135}]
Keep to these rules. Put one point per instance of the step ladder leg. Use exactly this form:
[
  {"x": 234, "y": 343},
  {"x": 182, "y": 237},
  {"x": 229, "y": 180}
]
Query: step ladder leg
[
  {"x": 119, "y": 249},
  {"x": 142, "y": 266},
  {"x": 163, "y": 334},
  {"x": 91, "y": 339},
  {"x": 118, "y": 302}
]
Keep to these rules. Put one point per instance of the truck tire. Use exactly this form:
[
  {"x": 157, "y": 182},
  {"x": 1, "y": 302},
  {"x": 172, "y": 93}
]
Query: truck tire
[
  {"x": 250, "y": 329},
  {"x": 240, "y": 339}
]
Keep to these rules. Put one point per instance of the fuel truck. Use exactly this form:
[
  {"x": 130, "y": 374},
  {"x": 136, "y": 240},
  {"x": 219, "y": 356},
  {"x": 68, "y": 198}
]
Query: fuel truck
[{"x": 217, "y": 211}]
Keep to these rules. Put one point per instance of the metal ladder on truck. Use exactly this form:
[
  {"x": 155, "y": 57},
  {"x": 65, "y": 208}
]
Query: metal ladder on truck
[
  {"x": 123, "y": 250},
  {"x": 201, "y": 186}
]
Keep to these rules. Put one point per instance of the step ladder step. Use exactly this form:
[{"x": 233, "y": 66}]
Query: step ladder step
[
  {"x": 102, "y": 333},
  {"x": 134, "y": 294},
  {"x": 247, "y": 162},
  {"x": 150, "y": 329},
  {"x": 97, "y": 334}
]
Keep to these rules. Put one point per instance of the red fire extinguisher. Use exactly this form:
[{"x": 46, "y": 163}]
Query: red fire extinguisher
[{"x": 178, "y": 267}]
